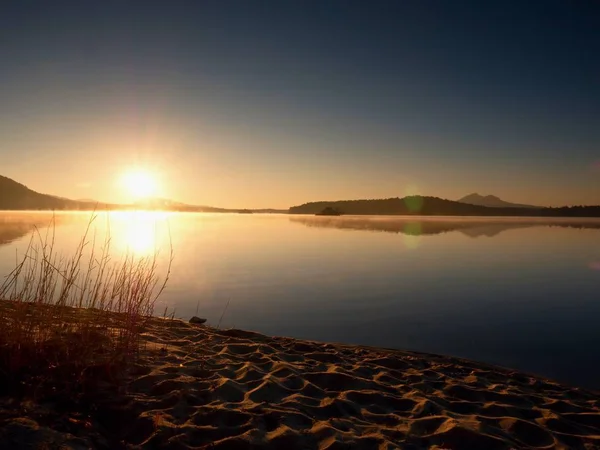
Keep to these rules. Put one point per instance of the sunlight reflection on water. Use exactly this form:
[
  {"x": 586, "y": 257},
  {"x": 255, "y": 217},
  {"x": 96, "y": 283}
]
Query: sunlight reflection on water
[{"x": 140, "y": 233}]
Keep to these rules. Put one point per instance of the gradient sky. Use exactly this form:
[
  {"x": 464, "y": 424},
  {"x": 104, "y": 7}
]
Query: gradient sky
[{"x": 276, "y": 103}]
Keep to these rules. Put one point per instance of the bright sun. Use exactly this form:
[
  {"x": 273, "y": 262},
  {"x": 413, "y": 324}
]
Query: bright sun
[{"x": 140, "y": 184}]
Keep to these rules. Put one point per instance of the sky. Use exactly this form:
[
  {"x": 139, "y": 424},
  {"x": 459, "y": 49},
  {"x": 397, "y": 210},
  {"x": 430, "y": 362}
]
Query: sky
[{"x": 276, "y": 103}]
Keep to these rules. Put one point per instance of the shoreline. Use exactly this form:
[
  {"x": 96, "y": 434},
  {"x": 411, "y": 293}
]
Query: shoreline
[{"x": 194, "y": 386}]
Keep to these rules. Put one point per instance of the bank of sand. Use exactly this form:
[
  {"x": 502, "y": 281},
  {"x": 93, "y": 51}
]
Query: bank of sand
[{"x": 198, "y": 387}]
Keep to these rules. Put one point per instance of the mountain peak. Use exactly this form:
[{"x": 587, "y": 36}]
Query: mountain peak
[{"x": 491, "y": 201}]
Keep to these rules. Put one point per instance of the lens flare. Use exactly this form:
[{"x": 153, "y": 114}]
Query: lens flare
[{"x": 595, "y": 265}]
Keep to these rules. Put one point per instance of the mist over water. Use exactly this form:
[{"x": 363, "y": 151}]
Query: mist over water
[{"x": 523, "y": 293}]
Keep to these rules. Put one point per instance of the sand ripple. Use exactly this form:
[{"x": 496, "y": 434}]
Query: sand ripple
[{"x": 198, "y": 387}]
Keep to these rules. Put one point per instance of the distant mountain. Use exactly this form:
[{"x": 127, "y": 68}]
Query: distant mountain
[
  {"x": 171, "y": 205},
  {"x": 434, "y": 206},
  {"x": 492, "y": 201},
  {"x": 158, "y": 203}
]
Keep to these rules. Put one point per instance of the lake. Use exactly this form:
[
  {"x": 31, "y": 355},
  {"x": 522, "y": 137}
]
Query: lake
[{"x": 521, "y": 293}]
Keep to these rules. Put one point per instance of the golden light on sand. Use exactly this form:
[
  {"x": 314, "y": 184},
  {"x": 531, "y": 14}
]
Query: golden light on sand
[{"x": 140, "y": 184}]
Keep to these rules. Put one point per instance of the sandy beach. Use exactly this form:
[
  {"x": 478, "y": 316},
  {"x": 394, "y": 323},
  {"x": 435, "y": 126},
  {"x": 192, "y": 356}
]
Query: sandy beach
[{"x": 199, "y": 387}]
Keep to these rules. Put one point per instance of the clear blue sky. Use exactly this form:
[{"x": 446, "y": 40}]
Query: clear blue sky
[{"x": 275, "y": 103}]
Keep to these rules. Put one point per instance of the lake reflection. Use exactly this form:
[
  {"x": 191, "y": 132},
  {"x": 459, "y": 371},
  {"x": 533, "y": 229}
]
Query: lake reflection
[
  {"x": 16, "y": 225},
  {"x": 470, "y": 226},
  {"x": 523, "y": 293}
]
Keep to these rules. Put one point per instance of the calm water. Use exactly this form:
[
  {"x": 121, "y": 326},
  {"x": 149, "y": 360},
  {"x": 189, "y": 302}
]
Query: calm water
[{"x": 518, "y": 293}]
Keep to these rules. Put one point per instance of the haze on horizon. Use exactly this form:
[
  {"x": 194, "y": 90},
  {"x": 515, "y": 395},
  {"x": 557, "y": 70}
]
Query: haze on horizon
[{"x": 277, "y": 103}]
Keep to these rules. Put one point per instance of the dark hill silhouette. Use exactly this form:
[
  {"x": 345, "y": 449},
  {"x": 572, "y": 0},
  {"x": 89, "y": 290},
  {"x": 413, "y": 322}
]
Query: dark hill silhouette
[
  {"x": 434, "y": 206},
  {"x": 492, "y": 201},
  {"x": 16, "y": 196}
]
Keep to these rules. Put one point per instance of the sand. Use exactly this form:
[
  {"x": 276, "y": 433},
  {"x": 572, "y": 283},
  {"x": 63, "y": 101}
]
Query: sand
[{"x": 199, "y": 387}]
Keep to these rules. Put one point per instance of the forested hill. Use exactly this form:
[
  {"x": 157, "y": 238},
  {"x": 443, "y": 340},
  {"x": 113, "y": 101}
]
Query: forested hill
[
  {"x": 16, "y": 196},
  {"x": 434, "y": 206}
]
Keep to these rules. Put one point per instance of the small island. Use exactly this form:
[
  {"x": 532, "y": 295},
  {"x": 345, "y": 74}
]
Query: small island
[{"x": 329, "y": 211}]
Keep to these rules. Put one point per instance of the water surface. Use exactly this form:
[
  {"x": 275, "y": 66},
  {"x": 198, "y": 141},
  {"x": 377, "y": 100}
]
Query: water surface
[{"x": 522, "y": 293}]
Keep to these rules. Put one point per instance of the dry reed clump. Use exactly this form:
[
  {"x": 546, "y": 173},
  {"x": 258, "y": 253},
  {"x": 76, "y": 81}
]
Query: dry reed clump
[{"x": 63, "y": 318}]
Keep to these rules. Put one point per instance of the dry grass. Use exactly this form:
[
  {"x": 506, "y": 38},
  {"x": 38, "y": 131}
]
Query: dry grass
[{"x": 64, "y": 317}]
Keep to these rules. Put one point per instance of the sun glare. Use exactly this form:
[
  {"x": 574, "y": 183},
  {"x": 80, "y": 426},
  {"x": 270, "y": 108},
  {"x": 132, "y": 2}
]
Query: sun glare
[{"x": 140, "y": 184}]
